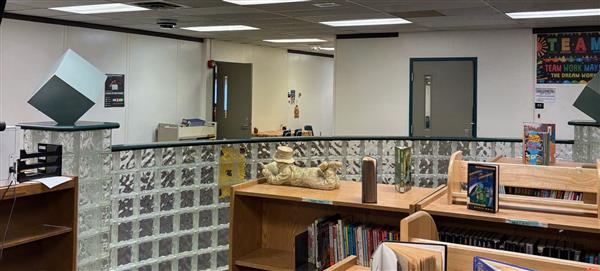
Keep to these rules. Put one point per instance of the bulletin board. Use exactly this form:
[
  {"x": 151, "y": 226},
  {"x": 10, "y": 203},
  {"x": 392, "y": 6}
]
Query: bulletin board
[{"x": 567, "y": 58}]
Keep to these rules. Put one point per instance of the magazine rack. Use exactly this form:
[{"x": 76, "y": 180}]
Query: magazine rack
[{"x": 567, "y": 176}]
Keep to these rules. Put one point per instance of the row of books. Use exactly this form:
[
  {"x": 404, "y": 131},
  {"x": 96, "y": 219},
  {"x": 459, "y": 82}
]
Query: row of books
[
  {"x": 560, "y": 249},
  {"x": 332, "y": 239},
  {"x": 543, "y": 193}
]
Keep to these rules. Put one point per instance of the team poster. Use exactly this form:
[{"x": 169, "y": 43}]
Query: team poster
[{"x": 567, "y": 58}]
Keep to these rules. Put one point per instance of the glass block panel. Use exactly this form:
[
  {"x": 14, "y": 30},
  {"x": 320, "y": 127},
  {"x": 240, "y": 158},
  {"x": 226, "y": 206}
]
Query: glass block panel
[
  {"x": 106, "y": 139},
  {"x": 388, "y": 166},
  {"x": 425, "y": 182},
  {"x": 165, "y": 266},
  {"x": 185, "y": 243},
  {"x": 146, "y": 227},
  {"x": 148, "y": 158},
  {"x": 503, "y": 149},
  {"x": 518, "y": 150},
  {"x": 445, "y": 148},
  {"x": 189, "y": 155},
  {"x": 484, "y": 150},
  {"x": 372, "y": 147},
  {"x": 222, "y": 258},
  {"x": 207, "y": 174},
  {"x": 223, "y": 237},
  {"x": 125, "y": 231},
  {"x": 165, "y": 247},
  {"x": 224, "y": 215},
  {"x": 67, "y": 140},
  {"x": 166, "y": 224},
  {"x": 336, "y": 148},
  {"x": 387, "y": 147},
  {"x": 354, "y": 149},
  {"x": 125, "y": 207},
  {"x": 146, "y": 204},
  {"x": 167, "y": 178},
  {"x": 91, "y": 141},
  {"x": 205, "y": 218},
  {"x": 124, "y": 255},
  {"x": 167, "y": 201},
  {"x": 204, "y": 261},
  {"x": 443, "y": 166},
  {"x": 564, "y": 152},
  {"x": 147, "y": 180},
  {"x": 207, "y": 153},
  {"x": 204, "y": 239},
  {"x": 187, "y": 199},
  {"x": 426, "y": 147},
  {"x": 126, "y": 182},
  {"x": 107, "y": 163},
  {"x": 353, "y": 167},
  {"x": 246, "y": 149},
  {"x": 185, "y": 264},
  {"x": 186, "y": 221},
  {"x": 187, "y": 176},
  {"x": 145, "y": 251},
  {"x": 425, "y": 166},
  {"x": 168, "y": 157},
  {"x": 301, "y": 149},
  {"x": 464, "y": 146},
  {"x": 318, "y": 148},
  {"x": 206, "y": 196},
  {"x": 127, "y": 160},
  {"x": 264, "y": 151},
  {"x": 145, "y": 268}
]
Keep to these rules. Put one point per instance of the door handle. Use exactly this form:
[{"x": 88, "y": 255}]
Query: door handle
[{"x": 427, "y": 101}]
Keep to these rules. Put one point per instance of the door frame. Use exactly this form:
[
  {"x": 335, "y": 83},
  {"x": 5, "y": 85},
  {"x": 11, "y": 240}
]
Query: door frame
[{"x": 410, "y": 88}]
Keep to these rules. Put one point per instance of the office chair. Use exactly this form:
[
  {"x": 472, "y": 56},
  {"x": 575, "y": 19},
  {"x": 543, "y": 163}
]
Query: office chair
[
  {"x": 298, "y": 132},
  {"x": 287, "y": 133},
  {"x": 310, "y": 129}
]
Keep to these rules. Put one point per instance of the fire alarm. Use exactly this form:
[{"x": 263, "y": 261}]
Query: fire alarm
[{"x": 211, "y": 64}]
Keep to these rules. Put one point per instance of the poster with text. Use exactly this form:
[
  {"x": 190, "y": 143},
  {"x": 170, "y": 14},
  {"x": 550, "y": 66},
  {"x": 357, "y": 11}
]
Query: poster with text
[
  {"x": 114, "y": 90},
  {"x": 567, "y": 58}
]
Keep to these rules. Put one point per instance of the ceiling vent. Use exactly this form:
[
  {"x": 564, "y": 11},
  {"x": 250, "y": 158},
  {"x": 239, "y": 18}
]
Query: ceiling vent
[
  {"x": 418, "y": 14},
  {"x": 158, "y": 5},
  {"x": 326, "y": 5}
]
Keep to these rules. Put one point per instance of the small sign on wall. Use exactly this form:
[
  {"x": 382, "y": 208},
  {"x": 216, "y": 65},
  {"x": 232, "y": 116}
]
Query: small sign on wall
[
  {"x": 114, "y": 90},
  {"x": 545, "y": 95}
]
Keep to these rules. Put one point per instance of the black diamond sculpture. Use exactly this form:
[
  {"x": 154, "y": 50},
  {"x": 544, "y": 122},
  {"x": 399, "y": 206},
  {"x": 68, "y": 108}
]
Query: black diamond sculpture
[{"x": 589, "y": 99}]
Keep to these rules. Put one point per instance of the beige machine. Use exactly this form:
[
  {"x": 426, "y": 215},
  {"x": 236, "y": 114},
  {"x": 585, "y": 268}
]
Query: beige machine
[{"x": 174, "y": 132}]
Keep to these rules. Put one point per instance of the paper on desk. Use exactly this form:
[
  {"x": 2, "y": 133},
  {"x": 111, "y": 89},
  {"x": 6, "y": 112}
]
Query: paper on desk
[{"x": 52, "y": 182}]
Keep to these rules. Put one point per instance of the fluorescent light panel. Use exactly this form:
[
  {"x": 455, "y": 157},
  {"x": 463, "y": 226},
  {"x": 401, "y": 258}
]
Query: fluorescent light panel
[
  {"x": 326, "y": 48},
  {"x": 100, "y": 8},
  {"x": 554, "y": 13},
  {"x": 217, "y": 28},
  {"x": 367, "y": 22},
  {"x": 262, "y": 2},
  {"x": 294, "y": 40}
]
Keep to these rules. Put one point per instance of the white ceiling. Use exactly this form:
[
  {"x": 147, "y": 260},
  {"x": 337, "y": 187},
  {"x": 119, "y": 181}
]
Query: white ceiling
[{"x": 300, "y": 20}]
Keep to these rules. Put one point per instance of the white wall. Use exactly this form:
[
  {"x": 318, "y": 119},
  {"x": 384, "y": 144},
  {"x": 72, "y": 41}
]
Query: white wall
[
  {"x": 165, "y": 79},
  {"x": 274, "y": 73},
  {"x": 372, "y": 79},
  {"x": 312, "y": 76},
  {"x": 371, "y": 94}
]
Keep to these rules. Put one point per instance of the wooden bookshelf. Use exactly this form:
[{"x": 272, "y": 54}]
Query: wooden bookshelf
[
  {"x": 41, "y": 233},
  {"x": 348, "y": 264},
  {"x": 421, "y": 227},
  {"x": 266, "y": 218},
  {"x": 527, "y": 216}
]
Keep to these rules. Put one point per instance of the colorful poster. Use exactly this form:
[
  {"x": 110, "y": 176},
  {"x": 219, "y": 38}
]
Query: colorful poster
[
  {"x": 567, "y": 58},
  {"x": 114, "y": 90}
]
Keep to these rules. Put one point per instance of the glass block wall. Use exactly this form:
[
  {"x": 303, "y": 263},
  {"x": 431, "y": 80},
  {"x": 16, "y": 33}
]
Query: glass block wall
[
  {"x": 587, "y": 143},
  {"x": 159, "y": 209}
]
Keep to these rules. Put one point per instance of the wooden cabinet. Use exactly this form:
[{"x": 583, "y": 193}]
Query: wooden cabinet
[{"x": 42, "y": 230}]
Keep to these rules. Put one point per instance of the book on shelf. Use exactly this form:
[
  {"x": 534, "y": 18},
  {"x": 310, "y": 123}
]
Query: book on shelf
[
  {"x": 333, "y": 238},
  {"x": 561, "y": 249},
  {"x": 409, "y": 256},
  {"x": 542, "y": 193},
  {"x": 483, "y": 264},
  {"x": 539, "y": 143},
  {"x": 482, "y": 187}
]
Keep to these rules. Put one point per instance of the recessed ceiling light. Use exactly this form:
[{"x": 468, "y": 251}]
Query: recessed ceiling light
[
  {"x": 554, "y": 13},
  {"x": 294, "y": 40},
  {"x": 217, "y": 28},
  {"x": 100, "y": 8},
  {"x": 326, "y": 49},
  {"x": 367, "y": 22},
  {"x": 261, "y": 2}
]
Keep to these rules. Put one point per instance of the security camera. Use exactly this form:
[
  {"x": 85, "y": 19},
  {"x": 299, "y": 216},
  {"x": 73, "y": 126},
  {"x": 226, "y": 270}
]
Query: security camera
[{"x": 166, "y": 23}]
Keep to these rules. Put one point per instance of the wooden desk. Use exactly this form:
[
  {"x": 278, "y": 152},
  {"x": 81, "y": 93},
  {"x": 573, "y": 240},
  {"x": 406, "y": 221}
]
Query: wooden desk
[
  {"x": 42, "y": 232},
  {"x": 266, "y": 218}
]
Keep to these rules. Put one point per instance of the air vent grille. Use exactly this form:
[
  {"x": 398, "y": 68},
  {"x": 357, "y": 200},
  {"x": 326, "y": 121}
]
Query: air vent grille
[{"x": 158, "y": 5}]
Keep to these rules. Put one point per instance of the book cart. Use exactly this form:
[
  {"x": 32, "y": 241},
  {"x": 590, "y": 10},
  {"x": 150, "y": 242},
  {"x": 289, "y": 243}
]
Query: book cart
[
  {"x": 266, "y": 218},
  {"x": 533, "y": 218}
]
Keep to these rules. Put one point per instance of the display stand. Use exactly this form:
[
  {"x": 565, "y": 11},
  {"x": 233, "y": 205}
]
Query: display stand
[
  {"x": 266, "y": 218},
  {"x": 420, "y": 227},
  {"x": 41, "y": 233}
]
